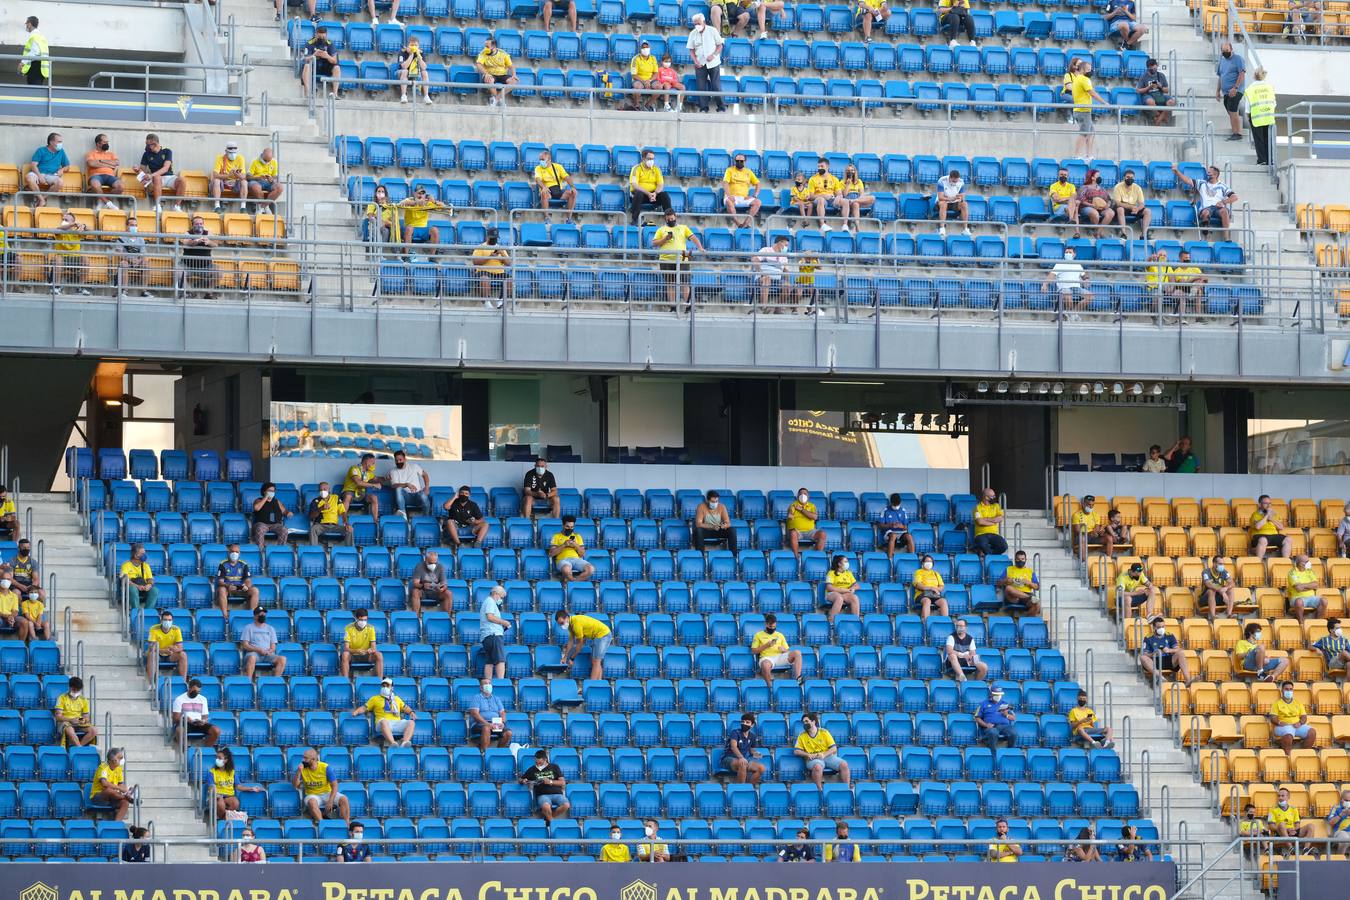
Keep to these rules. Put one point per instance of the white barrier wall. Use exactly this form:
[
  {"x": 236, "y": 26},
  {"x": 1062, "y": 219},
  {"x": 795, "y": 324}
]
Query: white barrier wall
[
  {"x": 98, "y": 30},
  {"x": 586, "y": 475},
  {"x": 1143, "y": 484}
]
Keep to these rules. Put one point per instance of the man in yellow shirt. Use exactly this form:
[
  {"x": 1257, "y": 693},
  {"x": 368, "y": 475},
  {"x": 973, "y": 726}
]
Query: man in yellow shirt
[
  {"x": 646, "y": 187},
  {"x": 1133, "y": 588},
  {"x": 140, "y": 580},
  {"x": 72, "y": 716},
  {"x": 1301, "y": 587},
  {"x": 818, "y": 751},
  {"x": 1289, "y": 720},
  {"x": 1087, "y": 524},
  {"x": 1185, "y": 281},
  {"x": 494, "y": 278},
  {"x": 416, "y": 214},
  {"x": 9, "y": 515},
  {"x": 1063, "y": 198},
  {"x": 616, "y": 850},
  {"x": 1003, "y": 850},
  {"x": 361, "y": 486},
  {"x": 1128, "y": 198},
  {"x": 1019, "y": 585},
  {"x": 165, "y": 642},
  {"x": 1264, "y": 526},
  {"x": 581, "y": 629},
  {"x": 389, "y": 711},
  {"x": 824, "y": 189},
  {"x": 770, "y": 649},
  {"x": 801, "y": 523},
  {"x": 229, "y": 174},
  {"x": 358, "y": 645},
  {"x": 988, "y": 519},
  {"x": 328, "y": 517},
  {"x": 673, "y": 239},
  {"x": 643, "y": 68},
  {"x": 872, "y": 11},
  {"x": 264, "y": 182},
  {"x": 555, "y": 185},
  {"x": 1083, "y": 95},
  {"x": 108, "y": 786},
  {"x": 567, "y": 549},
  {"x": 1083, "y": 721},
  {"x": 11, "y": 615},
  {"x": 1284, "y": 820},
  {"x": 494, "y": 66},
  {"x": 737, "y": 195},
  {"x": 318, "y": 792}
]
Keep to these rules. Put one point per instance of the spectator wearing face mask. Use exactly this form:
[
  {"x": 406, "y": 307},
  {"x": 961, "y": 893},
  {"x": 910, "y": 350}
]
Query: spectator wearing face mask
[
  {"x": 1216, "y": 583},
  {"x": 541, "y": 491},
  {"x": 358, "y": 645},
  {"x": 1086, "y": 728},
  {"x": 988, "y": 520},
  {"x": 354, "y": 849},
  {"x": 819, "y": 752},
  {"x": 1288, "y": 718},
  {"x": 494, "y": 276},
  {"x": 1128, "y": 199},
  {"x": 199, "y": 272},
  {"x": 495, "y": 67},
  {"x": 1250, "y": 655},
  {"x": 567, "y": 550},
  {"x": 841, "y": 849},
  {"x": 802, "y": 851},
  {"x": 67, "y": 263},
  {"x": 893, "y": 528},
  {"x": 1338, "y": 820},
  {"x": 429, "y": 584},
  {"x": 646, "y": 188},
  {"x": 486, "y": 716},
  {"x": 1213, "y": 198},
  {"x": 269, "y": 517},
  {"x": 643, "y": 68},
  {"x": 579, "y": 630},
  {"x": 234, "y": 581},
  {"x": 131, "y": 257},
  {"x": 1019, "y": 585},
  {"x": 248, "y": 850},
  {"x": 823, "y": 189},
  {"x": 192, "y": 716},
  {"x": 1083, "y": 93},
  {"x": 930, "y": 592},
  {"x": 951, "y": 195},
  {"x": 229, "y": 174},
  {"x": 492, "y": 628},
  {"x": 1062, "y": 196},
  {"x": 464, "y": 522},
  {"x": 711, "y": 523},
  {"x": 1301, "y": 586},
  {"x": 705, "y": 49},
  {"x": 1285, "y": 820},
  {"x": 1161, "y": 653},
  {"x": 139, "y": 579},
  {"x": 616, "y": 851},
  {"x": 328, "y": 517},
  {"x": 853, "y": 198},
  {"x": 1116, "y": 533},
  {"x": 1086, "y": 523},
  {"x": 1343, "y": 532},
  {"x": 223, "y": 779},
  {"x": 1134, "y": 589},
  {"x": 394, "y": 720},
  {"x": 108, "y": 787},
  {"x": 673, "y": 240},
  {"x": 740, "y": 752},
  {"x": 738, "y": 197},
  {"x": 24, "y": 572},
  {"x": 1071, "y": 284},
  {"x": 668, "y": 80},
  {"x": 44, "y": 173},
  {"x": 155, "y": 172},
  {"x": 101, "y": 166},
  {"x": 1334, "y": 647},
  {"x": 838, "y": 588},
  {"x": 410, "y": 483},
  {"x": 771, "y": 651},
  {"x": 258, "y": 642},
  {"x": 1094, "y": 203},
  {"x": 165, "y": 643},
  {"x": 652, "y": 849},
  {"x": 136, "y": 850},
  {"x": 994, "y": 720},
  {"x": 73, "y": 716},
  {"x": 802, "y": 518}
]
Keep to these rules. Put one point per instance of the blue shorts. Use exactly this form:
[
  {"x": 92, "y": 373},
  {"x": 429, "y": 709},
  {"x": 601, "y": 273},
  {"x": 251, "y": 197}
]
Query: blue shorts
[
  {"x": 493, "y": 651},
  {"x": 552, "y": 801},
  {"x": 106, "y": 181},
  {"x": 833, "y": 763},
  {"x": 1249, "y": 663},
  {"x": 420, "y": 235},
  {"x": 600, "y": 646},
  {"x": 1308, "y": 602},
  {"x": 575, "y": 563},
  {"x": 264, "y": 185}
]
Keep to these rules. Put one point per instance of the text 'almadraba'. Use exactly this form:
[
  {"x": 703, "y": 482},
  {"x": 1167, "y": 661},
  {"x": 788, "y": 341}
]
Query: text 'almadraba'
[{"x": 912, "y": 889}]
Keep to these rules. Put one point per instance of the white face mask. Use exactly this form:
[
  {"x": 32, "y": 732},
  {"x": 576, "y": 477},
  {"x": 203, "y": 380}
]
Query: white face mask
[
  {"x": 357, "y": 835},
  {"x": 651, "y": 830},
  {"x": 33, "y": 595},
  {"x": 234, "y": 556},
  {"x": 1160, "y": 629},
  {"x": 220, "y": 760},
  {"x": 231, "y": 154},
  {"x": 386, "y": 692},
  {"x": 361, "y": 623},
  {"x": 539, "y": 470},
  {"x": 1288, "y": 695},
  {"x": 1307, "y": 564},
  {"x": 615, "y": 836},
  {"x": 895, "y": 506},
  {"x": 1284, "y": 804},
  {"x": 928, "y": 564},
  {"x": 323, "y": 495},
  {"x": 1256, "y": 635},
  {"x": 486, "y": 689},
  {"x": 75, "y": 695},
  {"x": 1337, "y": 631},
  {"x": 843, "y": 567},
  {"x": 712, "y": 504},
  {"x": 269, "y": 495},
  {"x": 166, "y": 624},
  {"x": 133, "y": 228},
  {"x": 646, "y": 52},
  {"x": 59, "y": 145},
  {"x": 431, "y": 567},
  {"x": 803, "y": 497},
  {"x": 649, "y": 163},
  {"x": 4, "y": 584}
]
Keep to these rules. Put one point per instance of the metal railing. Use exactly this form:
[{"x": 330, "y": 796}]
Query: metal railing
[{"x": 147, "y": 77}]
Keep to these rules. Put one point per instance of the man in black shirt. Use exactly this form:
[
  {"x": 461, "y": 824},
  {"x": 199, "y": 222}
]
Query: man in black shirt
[
  {"x": 547, "y": 782},
  {"x": 462, "y": 514},
  {"x": 541, "y": 489},
  {"x": 197, "y": 267},
  {"x": 269, "y": 517},
  {"x": 155, "y": 173},
  {"x": 800, "y": 852},
  {"x": 320, "y": 61}
]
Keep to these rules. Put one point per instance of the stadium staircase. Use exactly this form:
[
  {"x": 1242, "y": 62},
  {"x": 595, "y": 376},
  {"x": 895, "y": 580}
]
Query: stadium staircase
[
  {"x": 305, "y": 148},
  {"x": 113, "y": 675},
  {"x": 1167, "y": 785}
]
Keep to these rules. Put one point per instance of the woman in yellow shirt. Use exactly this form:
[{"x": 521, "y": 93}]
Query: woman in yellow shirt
[
  {"x": 222, "y": 778},
  {"x": 929, "y": 589},
  {"x": 381, "y": 223},
  {"x": 853, "y": 197},
  {"x": 839, "y": 582}
]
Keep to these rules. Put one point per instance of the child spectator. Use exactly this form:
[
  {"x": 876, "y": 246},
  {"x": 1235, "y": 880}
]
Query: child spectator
[
  {"x": 1155, "y": 463},
  {"x": 668, "y": 80}
]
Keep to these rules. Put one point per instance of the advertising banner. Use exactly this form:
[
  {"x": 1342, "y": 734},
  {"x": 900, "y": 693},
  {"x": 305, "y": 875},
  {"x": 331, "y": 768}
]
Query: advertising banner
[
  {"x": 593, "y": 881},
  {"x": 1313, "y": 881},
  {"x": 105, "y": 104}
]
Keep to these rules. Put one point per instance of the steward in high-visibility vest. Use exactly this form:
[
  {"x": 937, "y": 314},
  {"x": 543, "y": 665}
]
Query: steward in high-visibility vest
[
  {"x": 35, "y": 49},
  {"x": 1261, "y": 111}
]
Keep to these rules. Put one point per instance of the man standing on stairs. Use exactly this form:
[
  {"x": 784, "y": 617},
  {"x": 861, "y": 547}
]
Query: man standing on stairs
[{"x": 1232, "y": 72}]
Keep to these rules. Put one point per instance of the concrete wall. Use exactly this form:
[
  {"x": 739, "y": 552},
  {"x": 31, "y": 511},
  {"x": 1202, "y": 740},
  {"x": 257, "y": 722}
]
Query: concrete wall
[
  {"x": 1103, "y": 429},
  {"x": 1320, "y": 181},
  {"x": 1309, "y": 73},
  {"x": 102, "y": 30},
  {"x": 235, "y": 401},
  {"x": 645, "y": 412},
  {"x": 1140, "y": 484},
  {"x": 568, "y": 416},
  {"x": 584, "y": 475}
]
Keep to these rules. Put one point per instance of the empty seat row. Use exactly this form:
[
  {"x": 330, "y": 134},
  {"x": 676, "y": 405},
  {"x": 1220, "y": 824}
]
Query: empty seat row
[{"x": 172, "y": 465}]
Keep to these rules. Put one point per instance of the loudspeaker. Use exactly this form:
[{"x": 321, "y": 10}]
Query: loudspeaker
[{"x": 596, "y": 383}]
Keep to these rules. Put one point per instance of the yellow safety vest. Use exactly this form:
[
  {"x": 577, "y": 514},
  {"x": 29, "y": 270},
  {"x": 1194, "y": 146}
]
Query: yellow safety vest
[
  {"x": 35, "y": 46},
  {"x": 1261, "y": 103}
]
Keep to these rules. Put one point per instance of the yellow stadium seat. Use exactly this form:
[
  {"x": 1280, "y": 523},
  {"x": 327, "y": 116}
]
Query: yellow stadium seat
[
  {"x": 1340, "y": 731},
  {"x": 1305, "y": 765},
  {"x": 1250, "y": 570},
  {"x": 1144, "y": 541},
  {"x": 159, "y": 271},
  {"x": 1065, "y": 505},
  {"x": 285, "y": 275},
  {"x": 1255, "y": 731},
  {"x": 1264, "y": 694},
  {"x": 1205, "y": 697},
  {"x": 1197, "y": 635},
  {"x": 1322, "y": 542},
  {"x": 1204, "y": 542},
  {"x": 1322, "y": 797},
  {"x": 1274, "y": 765},
  {"x": 72, "y": 182},
  {"x": 1100, "y": 572},
  {"x": 46, "y": 217},
  {"x": 1338, "y": 573},
  {"x": 1328, "y": 256},
  {"x": 1326, "y": 697},
  {"x": 1332, "y": 512},
  {"x": 1161, "y": 571},
  {"x": 1157, "y": 511},
  {"x": 1189, "y": 570},
  {"x": 1308, "y": 665},
  {"x": 195, "y": 183},
  {"x": 1224, "y": 730},
  {"x": 1287, "y": 634},
  {"x": 1244, "y": 766},
  {"x": 237, "y": 227},
  {"x": 1216, "y": 665},
  {"x": 1342, "y": 296},
  {"x": 32, "y": 267},
  {"x": 1179, "y": 602},
  {"x": 1303, "y": 513},
  {"x": 1214, "y": 766},
  {"x": 18, "y": 216},
  {"x": 1321, "y": 725},
  {"x": 1335, "y": 602},
  {"x": 95, "y": 268},
  {"x": 131, "y": 185},
  {"x": 1244, "y": 602},
  {"x": 1233, "y": 542},
  {"x": 1216, "y": 512},
  {"x": 84, "y": 216},
  {"x": 173, "y": 222},
  {"x": 253, "y": 273},
  {"x": 1335, "y": 760},
  {"x": 1173, "y": 540},
  {"x": 1337, "y": 216},
  {"x": 1270, "y": 602},
  {"x": 1298, "y": 541},
  {"x": 1310, "y": 217},
  {"x": 227, "y": 273},
  {"x": 211, "y": 222},
  {"x": 112, "y": 220},
  {"x": 1176, "y": 700},
  {"x": 1185, "y": 511},
  {"x": 272, "y": 227},
  {"x": 1232, "y": 798},
  {"x": 1236, "y": 698},
  {"x": 9, "y": 179}
]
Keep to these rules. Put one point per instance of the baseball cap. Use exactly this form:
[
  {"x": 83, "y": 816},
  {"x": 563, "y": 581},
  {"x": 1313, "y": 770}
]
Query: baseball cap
[
  {"x": 388, "y": 682},
  {"x": 231, "y": 145},
  {"x": 1088, "y": 498}
]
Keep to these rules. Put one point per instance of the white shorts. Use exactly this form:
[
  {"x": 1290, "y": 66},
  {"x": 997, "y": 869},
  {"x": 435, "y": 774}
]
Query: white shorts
[
  {"x": 321, "y": 800},
  {"x": 741, "y": 202},
  {"x": 398, "y": 727},
  {"x": 778, "y": 659},
  {"x": 46, "y": 180}
]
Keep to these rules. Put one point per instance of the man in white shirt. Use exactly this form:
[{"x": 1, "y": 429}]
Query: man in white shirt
[
  {"x": 1214, "y": 198},
  {"x": 950, "y": 195},
  {"x": 772, "y": 264},
  {"x": 1072, "y": 282},
  {"x": 409, "y": 482},
  {"x": 705, "y": 49},
  {"x": 191, "y": 716}
]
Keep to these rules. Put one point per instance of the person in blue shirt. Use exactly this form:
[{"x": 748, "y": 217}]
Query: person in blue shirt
[
  {"x": 234, "y": 581},
  {"x": 353, "y": 850},
  {"x": 1123, "y": 18},
  {"x": 44, "y": 173},
  {"x": 1161, "y": 651},
  {"x": 487, "y": 718},
  {"x": 893, "y": 528},
  {"x": 995, "y": 720},
  {"x": 740, "y": 752}
]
